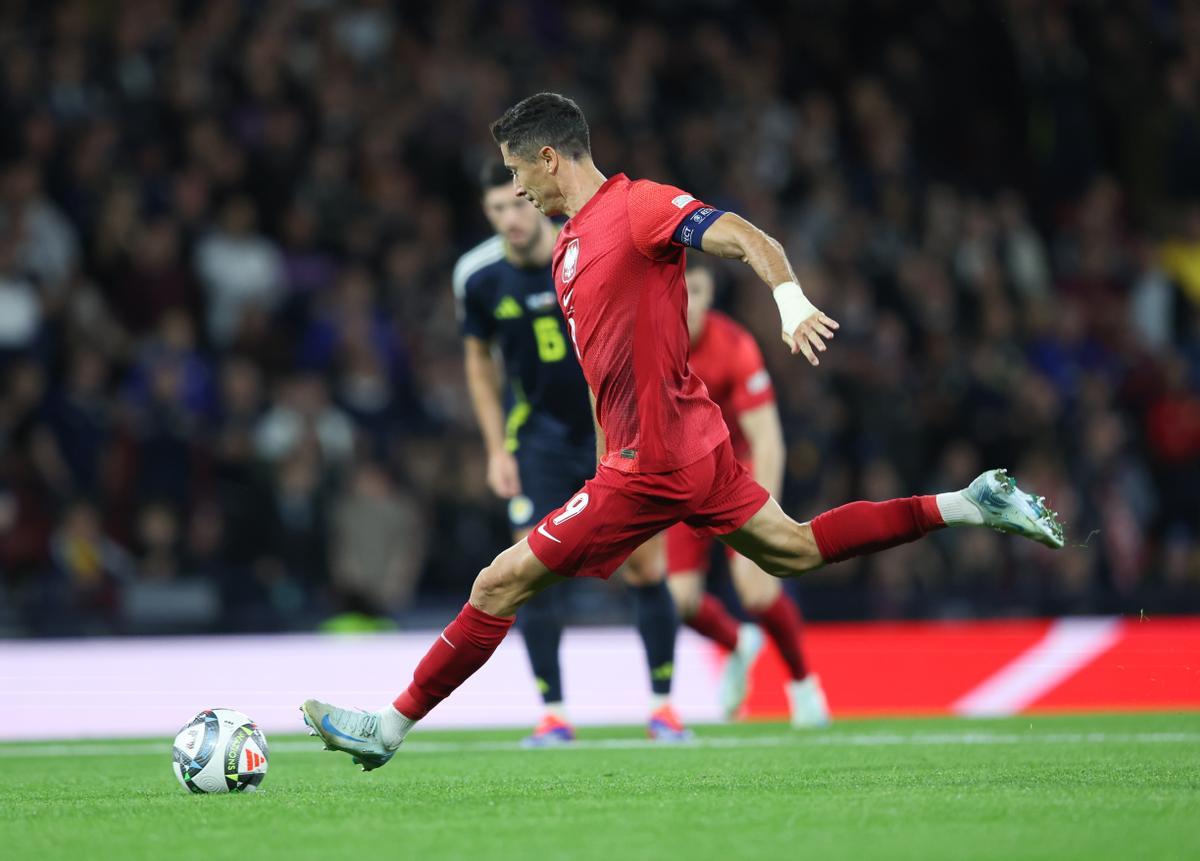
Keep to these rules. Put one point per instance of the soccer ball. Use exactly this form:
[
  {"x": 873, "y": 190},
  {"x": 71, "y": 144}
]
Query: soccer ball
[{"x": 220, "y": 750}]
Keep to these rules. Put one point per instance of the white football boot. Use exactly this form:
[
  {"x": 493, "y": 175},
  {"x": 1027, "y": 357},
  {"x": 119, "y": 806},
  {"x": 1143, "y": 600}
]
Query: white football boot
[
  {"x": 736, "y": 675},
  {"x": 351, "y": 731},
  {"x": 1007, "y": 508},
  {"x": 809, "y": 709}
]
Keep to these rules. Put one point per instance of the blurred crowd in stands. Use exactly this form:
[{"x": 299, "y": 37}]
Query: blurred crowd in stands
[{"x": 231, "y": 394}]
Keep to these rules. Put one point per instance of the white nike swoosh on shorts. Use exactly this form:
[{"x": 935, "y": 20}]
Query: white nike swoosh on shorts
[
  {"x": 542, "y": 529},
  {"x": 448, "y": 643}
]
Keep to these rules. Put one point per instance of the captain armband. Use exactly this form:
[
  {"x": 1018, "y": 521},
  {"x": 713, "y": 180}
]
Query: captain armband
[{"x": 692, "y": 228}]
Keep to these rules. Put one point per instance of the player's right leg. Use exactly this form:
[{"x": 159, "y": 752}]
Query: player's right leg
[
  {"x": 371, "y": 738},
  {"x": 785, "y": 548}
]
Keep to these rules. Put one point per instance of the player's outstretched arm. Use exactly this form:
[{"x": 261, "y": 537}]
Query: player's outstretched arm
[{"x": 805, "y": 327}]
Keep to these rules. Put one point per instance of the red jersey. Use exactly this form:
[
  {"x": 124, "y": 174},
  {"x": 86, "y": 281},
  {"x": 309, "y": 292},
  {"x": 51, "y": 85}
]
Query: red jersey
[
  {"x": 618, "y": 272},
  {"x": 726, "y": 357}
]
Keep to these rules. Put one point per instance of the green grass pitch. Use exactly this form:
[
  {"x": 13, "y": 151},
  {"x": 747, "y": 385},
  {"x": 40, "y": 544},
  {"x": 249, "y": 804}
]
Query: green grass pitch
[{"x": 1095, "y": 787}]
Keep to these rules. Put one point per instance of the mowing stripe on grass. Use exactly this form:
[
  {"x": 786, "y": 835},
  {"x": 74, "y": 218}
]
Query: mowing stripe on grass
[{"x": 792, "y": 740}]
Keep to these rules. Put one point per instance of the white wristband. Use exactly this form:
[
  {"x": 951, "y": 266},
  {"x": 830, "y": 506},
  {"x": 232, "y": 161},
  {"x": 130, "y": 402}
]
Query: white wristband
[{"x": 794, "y": 307}]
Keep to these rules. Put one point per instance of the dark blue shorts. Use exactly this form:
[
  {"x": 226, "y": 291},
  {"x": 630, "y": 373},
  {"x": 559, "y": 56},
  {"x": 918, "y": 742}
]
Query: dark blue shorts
[{"x": 551, "y": 470}]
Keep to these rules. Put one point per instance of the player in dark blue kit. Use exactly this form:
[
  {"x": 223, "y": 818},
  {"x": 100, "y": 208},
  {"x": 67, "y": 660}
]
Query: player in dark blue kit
[{"x": 543, "y": 447}]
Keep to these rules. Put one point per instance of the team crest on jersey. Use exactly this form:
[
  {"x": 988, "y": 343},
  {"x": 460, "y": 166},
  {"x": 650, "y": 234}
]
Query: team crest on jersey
[{"x": 570, "y": 259}]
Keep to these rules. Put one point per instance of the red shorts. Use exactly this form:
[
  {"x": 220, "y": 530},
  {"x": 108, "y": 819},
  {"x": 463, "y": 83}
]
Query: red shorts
[{"x": 617, "y": 512}]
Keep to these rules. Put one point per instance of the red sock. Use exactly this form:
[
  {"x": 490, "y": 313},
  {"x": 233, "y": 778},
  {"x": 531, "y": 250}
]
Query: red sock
[
  {"x": 713, "y": 621},
  {"x": 781, "y": 621},
  {"x": 459, "y": 651},
  {"x": 865, "y": 527}
]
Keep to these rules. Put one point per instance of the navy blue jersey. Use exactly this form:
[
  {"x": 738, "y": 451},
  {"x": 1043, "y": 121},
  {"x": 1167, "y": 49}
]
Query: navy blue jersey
[{"x": 516, "y": 308}]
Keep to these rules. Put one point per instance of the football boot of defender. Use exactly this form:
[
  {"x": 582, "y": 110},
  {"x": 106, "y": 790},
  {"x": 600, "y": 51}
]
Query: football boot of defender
[
  {"x": 735, "y": 677},
  {"x": 551, "y": 732},
  {"x": 348, "y": 730},
  {"x": 1007, "y": 508},
  {"x": 665, "y": 726}
]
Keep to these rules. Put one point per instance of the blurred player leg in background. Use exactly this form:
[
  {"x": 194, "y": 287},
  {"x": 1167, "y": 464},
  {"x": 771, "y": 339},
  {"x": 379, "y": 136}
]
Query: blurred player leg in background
[
  {"x": 724, "y": 354},
  {"x": 765, "y": 599},
  {"x": 541, "y": 622},
  {"x": 549, "y": 475},
  {"x": 687, "y": 565},
  {"x": 658, "y": 624}
]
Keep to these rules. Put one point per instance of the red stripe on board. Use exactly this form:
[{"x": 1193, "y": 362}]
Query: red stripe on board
[
  {"x": 894, "y": 668},
  {"x": 1154, "y": 666}
]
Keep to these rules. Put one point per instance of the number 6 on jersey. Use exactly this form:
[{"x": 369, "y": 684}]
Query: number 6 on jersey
[{"x": 550, "y": 344}]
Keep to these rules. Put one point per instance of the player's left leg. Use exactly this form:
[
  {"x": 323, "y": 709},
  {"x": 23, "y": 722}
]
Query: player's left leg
[
  {"x": 589, "y": 536},
  {"x": 764, "y": 598},
  {"x": 658, "y": 624},
  {"x": 371, "y": 738}
]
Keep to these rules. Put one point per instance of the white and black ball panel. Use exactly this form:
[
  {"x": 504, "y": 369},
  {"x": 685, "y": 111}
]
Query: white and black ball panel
[
  {"x": 194, "y": 748},
  {"x": 245, "y": 763},
  {"x": 220, "y": 750},
  {"x": 251, "y": 764}
]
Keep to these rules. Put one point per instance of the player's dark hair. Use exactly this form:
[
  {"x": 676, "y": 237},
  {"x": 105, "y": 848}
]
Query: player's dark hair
[
  {"x": 545, "y": 119},
  {"x": 696, "y": 262},
  {"x": 494, "y": 174}
]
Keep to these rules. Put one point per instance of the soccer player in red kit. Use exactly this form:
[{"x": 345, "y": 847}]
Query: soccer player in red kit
[
  {"x": 727, "y": 359},
  {"x": 618, "y": 272}
]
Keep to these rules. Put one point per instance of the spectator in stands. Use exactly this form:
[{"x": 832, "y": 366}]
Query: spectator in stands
[
  {"x": 81, "y": 417},
  {"x": 158, "y": 546},
  {"x": 242, "y": 271},
  {"x": 82, "y": 593},
  {"x": 47, "y": 248},
  {"x": 302, "y": 411},
  {"x": 379, "y": 537},
  {"x": 153, "y": 279},
  {"x": 292, "y": 570}
]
